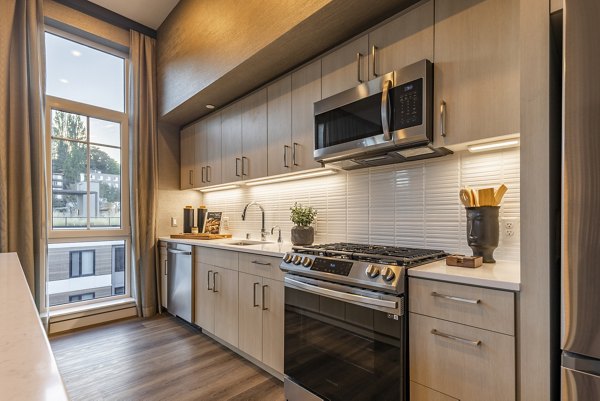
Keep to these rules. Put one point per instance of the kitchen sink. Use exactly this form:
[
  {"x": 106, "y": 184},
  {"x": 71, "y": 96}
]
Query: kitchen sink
[{"x": 245, "y": 242}]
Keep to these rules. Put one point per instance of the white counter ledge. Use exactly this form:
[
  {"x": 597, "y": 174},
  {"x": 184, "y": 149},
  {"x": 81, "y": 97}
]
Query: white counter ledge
[
  {"x": 28, "y": 370},
  {"x": 502, "y": 275},
  {"x": 269, "y": 249}
]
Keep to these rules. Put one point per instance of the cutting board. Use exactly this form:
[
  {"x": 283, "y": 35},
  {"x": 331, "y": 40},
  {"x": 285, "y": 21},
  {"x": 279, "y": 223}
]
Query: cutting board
[{"x": 201, "y": 236}]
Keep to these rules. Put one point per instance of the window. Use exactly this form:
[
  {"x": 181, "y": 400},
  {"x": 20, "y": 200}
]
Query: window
[
  {"x": 119, "y": 290},
  {"x": 83, "y": 263},
  {"x": 119, "y": 258},
  {"x": 82, "y": 297}
]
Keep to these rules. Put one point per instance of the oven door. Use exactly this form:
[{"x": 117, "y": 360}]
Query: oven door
[{"x": 343, "y": 343}]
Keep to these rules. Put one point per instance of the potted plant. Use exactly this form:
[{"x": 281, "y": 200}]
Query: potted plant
[{"x": 302, "y": 233}]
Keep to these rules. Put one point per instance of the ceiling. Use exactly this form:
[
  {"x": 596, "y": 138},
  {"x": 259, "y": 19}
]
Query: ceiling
[{"x": 146, "y": 12}]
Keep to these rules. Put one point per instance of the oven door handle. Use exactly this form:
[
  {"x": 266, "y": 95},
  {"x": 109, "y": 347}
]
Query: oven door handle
[{"x": 343, "y": 296}]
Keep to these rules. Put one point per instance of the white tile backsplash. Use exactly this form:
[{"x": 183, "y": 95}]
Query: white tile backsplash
[{"x": 410, "y": 204}]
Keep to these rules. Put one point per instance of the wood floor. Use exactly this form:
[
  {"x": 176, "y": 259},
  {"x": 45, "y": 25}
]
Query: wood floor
[{"x": 156, "y": 359}]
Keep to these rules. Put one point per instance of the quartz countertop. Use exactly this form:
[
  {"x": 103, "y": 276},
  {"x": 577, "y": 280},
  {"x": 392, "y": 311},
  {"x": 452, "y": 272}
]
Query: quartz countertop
[
  {"x": 28, "y": 370},
  {"x": 267, "y": 249},
  {"x": 502, "y": 275}
]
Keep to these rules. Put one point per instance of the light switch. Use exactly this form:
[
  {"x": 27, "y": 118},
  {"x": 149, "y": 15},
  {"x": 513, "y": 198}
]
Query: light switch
[{"x": 173, "y": 222}]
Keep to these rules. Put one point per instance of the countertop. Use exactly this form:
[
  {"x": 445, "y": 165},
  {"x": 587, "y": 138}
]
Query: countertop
[
  {"x": 503, "y": 275},
  {"x": 28, "y": 370}
]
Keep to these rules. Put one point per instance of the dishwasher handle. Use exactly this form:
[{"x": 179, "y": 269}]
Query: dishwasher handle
[{"x": 179, "y": 252}]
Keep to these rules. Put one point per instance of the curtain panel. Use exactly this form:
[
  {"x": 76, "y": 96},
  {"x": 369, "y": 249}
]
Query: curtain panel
[
  {"x": 143, "y": 139},
  {"x": 22, "y": 149}
]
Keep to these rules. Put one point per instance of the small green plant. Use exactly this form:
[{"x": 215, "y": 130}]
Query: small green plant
[{"x": 302, "y": 216}]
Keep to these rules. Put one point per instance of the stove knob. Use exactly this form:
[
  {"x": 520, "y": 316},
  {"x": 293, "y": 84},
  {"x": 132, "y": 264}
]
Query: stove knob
[
  {"x": 372, "y": 271},
  {"x": 388, "y": 274},
  {"x": 306, "y": 261},
  {"x": 287, "y": 258},
  {"x": 297, "y": 259}
]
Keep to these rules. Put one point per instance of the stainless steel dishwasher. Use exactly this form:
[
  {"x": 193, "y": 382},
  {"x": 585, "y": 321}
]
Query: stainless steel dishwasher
[{"x": 180, "y": 295}]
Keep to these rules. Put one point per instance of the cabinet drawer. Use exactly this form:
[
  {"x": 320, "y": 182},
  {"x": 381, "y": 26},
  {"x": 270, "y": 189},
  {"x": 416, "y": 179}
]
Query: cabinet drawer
[
  {"x": 422, "y": 393},
  {"x": 216, "y": 257},
  {"x": 445, "y": 357},
  {"x": 480, "y": 307},
  {"x": 259, "y": 265}
]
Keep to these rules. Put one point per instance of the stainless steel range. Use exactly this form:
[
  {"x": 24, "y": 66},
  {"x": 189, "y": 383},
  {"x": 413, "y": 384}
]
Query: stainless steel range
[{"x": 345, "y": 323}]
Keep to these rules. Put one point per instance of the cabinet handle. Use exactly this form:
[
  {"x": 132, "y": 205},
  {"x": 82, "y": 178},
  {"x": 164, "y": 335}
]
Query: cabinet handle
[
  {"x": 385, "y": 106},
  {"x": 244, "y": 172},
  {"x": 358, "y": 78},
  {"x": 285, "y": 161},
  {"x": 214, "y": 289},
  {"x": 237, "y": 174},
  {"x": 254, "y": 304},
  {"x": 208, "y": 174},
  {"x": 166, "y": 267},
  {"x": 457, "y": 299},
  {"x": 256, "y": 262},
  {"x": 475, "y": 343},
  {"x": 208, "y": 281},
  {"x": 263, "y": 297},
  {"x": 202, "y": 174},
  {"x": 373, "y": 50},
  {"x": 191, "y": 177},
  {"x": 294, "y": 154},
  {"x": 443, "y": 118}
]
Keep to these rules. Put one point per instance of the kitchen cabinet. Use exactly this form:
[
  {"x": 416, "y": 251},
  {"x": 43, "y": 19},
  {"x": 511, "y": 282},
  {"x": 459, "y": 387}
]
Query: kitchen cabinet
[
  {"x": 346, "y": 67},
  {"x": 212, "y": 151},
  {"x": 476, "y": 69},
  {"x": 216, "y": 289},
  {"x": 402, "y": 41},
  {"x": 200, "y": 139},
  {"x": 306, "y": 90},
  {"x": 461, "y": 341},
  {"x": 187, "y": 148},
  {"x": 163, "y": 274},
  {"x": 254, "y": 135},
  {"x": 422, "y": 393},
  {"x": 231, "y": 134},
  {"x": 279, "y": 126}
]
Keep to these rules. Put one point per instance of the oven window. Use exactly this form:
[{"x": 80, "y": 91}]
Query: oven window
[
  {"x": 341, "y": 351},
  {"x": 358, "y": 120}
]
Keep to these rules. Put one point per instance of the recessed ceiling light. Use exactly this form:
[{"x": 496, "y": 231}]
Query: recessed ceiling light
[
  {"x": 76, "y": 53},
  {"x": 210, "y": 106},
  {"x": 64, "y": 80}
]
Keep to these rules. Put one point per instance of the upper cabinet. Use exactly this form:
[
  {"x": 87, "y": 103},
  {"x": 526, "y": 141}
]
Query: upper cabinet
[
  {"x": 346, "y": 67},
  {"x": 254, "y": 135},
  {"x": 279, "y": 126},
  {"x": 187, "y": 156},
  {"x": 476, "y": 70},
  {"x": 306, "y": 90},
  {"x": 402, "y": 41},
  {"x": 213, "y": 175},
  {"x": 231, "y": 132}
]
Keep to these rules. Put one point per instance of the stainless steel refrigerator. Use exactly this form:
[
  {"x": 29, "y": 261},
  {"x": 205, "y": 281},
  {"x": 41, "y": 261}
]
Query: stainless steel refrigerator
[{"x": 580, "y": 332}]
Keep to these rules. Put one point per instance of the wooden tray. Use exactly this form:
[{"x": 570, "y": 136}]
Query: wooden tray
[{"x": 201, "y": 236}]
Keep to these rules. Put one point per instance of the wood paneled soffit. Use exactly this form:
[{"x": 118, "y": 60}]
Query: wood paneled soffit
[{"x": 216, "y": 51}]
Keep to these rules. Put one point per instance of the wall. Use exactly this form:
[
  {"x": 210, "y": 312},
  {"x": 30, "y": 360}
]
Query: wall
[{"x": 411, "y": 204}]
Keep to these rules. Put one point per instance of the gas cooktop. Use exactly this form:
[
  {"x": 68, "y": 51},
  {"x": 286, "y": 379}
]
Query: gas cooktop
[{"x": 376, "y": 267}]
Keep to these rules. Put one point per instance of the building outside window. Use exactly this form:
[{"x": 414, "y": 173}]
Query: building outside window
[{"x": 87, "y": 163}]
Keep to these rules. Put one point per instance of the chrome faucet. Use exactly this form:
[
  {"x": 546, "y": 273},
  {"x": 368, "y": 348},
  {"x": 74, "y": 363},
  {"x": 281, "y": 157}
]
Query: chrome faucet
[
  {"x": 279, "y": 240},
  {"x": 263, "y": 232}
]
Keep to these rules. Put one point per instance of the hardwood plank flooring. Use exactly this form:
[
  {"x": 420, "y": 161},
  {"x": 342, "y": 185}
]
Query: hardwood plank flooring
[{"x": 160, "y": 358}]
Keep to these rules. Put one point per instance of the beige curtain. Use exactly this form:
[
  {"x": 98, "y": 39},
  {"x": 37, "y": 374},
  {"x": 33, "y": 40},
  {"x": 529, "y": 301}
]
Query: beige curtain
[
  {"x": 22, "y": 154},
  {"x": 143, "y": 137}
]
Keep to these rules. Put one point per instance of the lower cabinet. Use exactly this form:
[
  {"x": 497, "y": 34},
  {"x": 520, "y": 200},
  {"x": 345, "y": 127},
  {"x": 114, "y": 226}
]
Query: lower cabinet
[
  {"x": 422, "y": 393},
  {"x": 163, "y": 274},
  {"x": 261, "y": 307}
]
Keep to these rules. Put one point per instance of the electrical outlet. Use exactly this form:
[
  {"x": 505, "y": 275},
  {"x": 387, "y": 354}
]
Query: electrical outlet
[
  {"x": 509, "y": 230},
  {"x": 173, "y": 222},
  {"x": 226, "y": 223}
]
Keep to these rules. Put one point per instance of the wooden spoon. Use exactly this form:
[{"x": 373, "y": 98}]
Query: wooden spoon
[
  {"x": 474, "y": 197},
  {"x": 500, "y": 194},
  {"x": 486, "y": 197},
  {"x": 465, "y": 197}
]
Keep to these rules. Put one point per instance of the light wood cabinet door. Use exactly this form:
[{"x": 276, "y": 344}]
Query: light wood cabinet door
[
  {"x": 187, "y": 156},
  {"x": 200, "y": 154},
  {"x": 445, "y": 356},
  {"x": 163, "y": 274},
  {"x": 422, "y": 393},
  {"x": 273, "y": 320},
  {"x": 213, "y": 150},
  {"x": 306, "y": 90},
  {"x": 231, "y": 133},
  {"x": 403, "y": 41},
  {"x": 204, "y": 297},
  {"x": 254, "y": 135},
  {"x": 476, "y": 69},
  {"x": 225, "y": 282},
  {"x": 279, "y": 126},
  {"x": 250, "y": 310},
  {"x": 346, "y": 67}
]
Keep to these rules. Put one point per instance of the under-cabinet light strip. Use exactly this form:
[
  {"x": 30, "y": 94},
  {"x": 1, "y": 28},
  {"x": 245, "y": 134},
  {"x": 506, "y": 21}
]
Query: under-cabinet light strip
[
  {"x": 302, "y": 176},
  {"x": 220, "y": 188},
  {"x": 493, "y": 145}
]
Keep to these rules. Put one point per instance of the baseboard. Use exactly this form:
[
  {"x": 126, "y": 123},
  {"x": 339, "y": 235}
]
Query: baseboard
[{"x": 82, "y": 319}]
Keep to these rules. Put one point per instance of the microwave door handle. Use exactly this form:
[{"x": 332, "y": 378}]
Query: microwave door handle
[{"x": 385, "y": 110}]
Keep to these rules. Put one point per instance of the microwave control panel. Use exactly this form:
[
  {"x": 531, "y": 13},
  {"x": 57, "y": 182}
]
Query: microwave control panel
[{"x": 407, "y": 100}]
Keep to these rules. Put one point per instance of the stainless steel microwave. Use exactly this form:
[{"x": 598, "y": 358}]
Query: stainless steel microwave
[{"x": 386, "y": 120}]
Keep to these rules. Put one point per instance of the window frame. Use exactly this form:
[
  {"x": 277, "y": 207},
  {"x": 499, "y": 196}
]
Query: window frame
[
  {"x": 81, "y": 263},
  {"x": 71, "y": 300}
]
